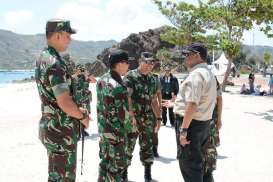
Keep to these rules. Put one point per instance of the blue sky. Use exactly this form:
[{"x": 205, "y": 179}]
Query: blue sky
[{"x": 94, "y": 19}]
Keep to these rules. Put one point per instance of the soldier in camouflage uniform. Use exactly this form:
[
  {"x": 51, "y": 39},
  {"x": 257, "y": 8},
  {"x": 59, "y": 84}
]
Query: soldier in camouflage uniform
[
  {"x": 213, "y": 138},
  {"x": 58, "y": 128},
  {"x": 158, "y": 102},
  {"x": 142, "y": 86},
  {"x": 113, "y": 120}
]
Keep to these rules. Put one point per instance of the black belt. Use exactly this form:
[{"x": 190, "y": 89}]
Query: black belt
[{"x": 181, "y": 117}]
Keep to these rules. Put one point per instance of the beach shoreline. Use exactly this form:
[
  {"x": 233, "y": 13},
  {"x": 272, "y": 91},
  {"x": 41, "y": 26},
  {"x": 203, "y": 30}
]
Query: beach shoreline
[{"x": 245, "y": 154}]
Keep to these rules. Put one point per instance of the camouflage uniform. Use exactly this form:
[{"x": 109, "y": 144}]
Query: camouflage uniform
[
  {"x": 81, "y": 93},
  {"x": 57, "y": 131},
  {"x": 113, "y": 124},
  {"x": 144, "y": 89},
  {"x": 155, "y": 136},
  {"x": 213, "y": 140}
]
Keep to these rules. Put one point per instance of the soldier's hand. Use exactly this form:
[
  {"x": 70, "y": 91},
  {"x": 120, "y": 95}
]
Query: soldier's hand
[
  {"x": 167, "y": 104},
  {"x": 85, "y": 122},
  {"x": 184, "y": 141},
  {"x": 83, "y": 110},
  {"x": 91, "y": 79},
  {"x": 134, "y": 122}
]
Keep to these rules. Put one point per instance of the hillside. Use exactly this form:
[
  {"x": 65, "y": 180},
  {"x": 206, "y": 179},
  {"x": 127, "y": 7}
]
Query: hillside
[{"x": 19, "y": 51}]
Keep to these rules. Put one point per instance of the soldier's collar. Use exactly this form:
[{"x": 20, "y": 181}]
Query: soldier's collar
[{"x": 52, "y": 50}]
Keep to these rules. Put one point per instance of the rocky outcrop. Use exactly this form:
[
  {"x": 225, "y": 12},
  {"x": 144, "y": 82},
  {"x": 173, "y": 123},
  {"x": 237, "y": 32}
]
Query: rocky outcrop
[
  {"x": 96, "y": 68},
  {"x": 134, "y": 44}
]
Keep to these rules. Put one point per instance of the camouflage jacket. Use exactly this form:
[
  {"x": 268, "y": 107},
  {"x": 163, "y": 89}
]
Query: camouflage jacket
[
  {"x": 81, "y": 93},
  {"x": 142, "y": 90},
  {"x": 112, "y": 107},
  {"x": 52, "y": 78}
]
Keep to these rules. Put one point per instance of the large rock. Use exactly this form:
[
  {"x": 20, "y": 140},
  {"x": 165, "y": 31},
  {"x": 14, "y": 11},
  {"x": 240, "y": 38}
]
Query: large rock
[
  {"x": 96, "y": 68},
  {"x": 137, "y": 43}
]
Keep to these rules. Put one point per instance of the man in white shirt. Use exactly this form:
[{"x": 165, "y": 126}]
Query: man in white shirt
[{"x": 193, "y": 108}]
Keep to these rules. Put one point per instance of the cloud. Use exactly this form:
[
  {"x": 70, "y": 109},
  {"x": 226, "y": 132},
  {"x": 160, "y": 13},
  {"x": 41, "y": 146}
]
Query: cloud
[
  {"x": 112, "y": 19},
  {"x": 18, "y": 17}
]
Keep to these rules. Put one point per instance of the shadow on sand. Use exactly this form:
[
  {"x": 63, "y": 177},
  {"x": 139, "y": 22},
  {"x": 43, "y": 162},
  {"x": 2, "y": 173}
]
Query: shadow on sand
[
  {"x": 267, "y": 115},
  {"x": 165, "y": 160},
  {"x": 93, "y": 136},
  {"x": 221, "y": 157}
]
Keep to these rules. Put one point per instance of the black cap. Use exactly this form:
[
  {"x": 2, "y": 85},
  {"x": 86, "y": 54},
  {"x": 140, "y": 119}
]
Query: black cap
[
  {"x": 196, "y": 47},
  {"x": 117, "y": 56},
  {"x": 57, "y": 25}
]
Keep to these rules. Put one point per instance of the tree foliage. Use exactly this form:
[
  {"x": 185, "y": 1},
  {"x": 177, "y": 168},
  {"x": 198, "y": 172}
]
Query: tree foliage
[
  {"x": 187, "y": 23},
  {"x": 267, "y": 59},
  {"x": 226, "y": 19}
]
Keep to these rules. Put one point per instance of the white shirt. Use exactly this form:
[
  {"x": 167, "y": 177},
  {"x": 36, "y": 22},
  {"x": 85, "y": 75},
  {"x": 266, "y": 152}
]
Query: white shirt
[{"x": 199, "y": 87}]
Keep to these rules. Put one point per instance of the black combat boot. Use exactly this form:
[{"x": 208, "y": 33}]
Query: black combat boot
[
  {"x": 125, "y": 176},
  {"x": 208, "y": 177},
  {"x": 147, "y": 173},
  {"x": 156, "y": 155}
]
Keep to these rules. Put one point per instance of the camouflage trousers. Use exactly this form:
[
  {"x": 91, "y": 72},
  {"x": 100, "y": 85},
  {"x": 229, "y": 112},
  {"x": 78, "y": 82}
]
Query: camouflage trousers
[
  {"x": 145, "y": 127},
  {"x": 114, "y": 159},
  {"x": 60, "y": 140},
  {"x": 155, "y": 142},
  {"x": 211, "y": 152}
]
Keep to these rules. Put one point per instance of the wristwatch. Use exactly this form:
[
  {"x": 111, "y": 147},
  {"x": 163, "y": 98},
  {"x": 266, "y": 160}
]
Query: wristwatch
[{"x": 183, "y": 131}]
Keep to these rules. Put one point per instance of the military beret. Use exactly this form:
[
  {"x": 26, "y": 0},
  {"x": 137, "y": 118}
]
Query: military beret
[{"x": 57, "y": 25}]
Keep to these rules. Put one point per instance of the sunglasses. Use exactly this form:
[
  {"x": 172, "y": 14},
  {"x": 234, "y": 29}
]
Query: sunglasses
[
  {"x": 190, "y": 53},
  {"x": 149, "y": 62}
]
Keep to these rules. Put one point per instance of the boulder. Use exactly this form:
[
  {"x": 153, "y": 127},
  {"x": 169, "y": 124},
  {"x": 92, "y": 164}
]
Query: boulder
[{"x": 134, "y": 44}]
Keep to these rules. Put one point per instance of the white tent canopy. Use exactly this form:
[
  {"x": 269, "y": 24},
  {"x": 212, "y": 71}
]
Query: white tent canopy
[{"x": 219, "y": 66}]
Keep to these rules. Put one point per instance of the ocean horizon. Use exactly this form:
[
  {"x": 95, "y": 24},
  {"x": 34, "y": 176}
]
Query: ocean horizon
[{"x": 8, "y": 76}]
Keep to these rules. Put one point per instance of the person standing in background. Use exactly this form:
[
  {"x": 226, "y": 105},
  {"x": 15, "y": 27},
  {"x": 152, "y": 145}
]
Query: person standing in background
[{"x": 169, "y": 90}]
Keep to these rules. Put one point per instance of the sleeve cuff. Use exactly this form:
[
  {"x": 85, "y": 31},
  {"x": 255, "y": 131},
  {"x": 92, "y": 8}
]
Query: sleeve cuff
[{"x": 60, "y": 88}]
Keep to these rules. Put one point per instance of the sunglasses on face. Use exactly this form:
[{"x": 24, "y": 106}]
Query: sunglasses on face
[
  {"x": 148, "y": 62},
  {"x": 190, "y": 53}
]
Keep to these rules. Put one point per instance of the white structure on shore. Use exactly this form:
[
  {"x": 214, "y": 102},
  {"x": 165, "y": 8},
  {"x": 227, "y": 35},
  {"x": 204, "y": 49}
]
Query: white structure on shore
[{"x": 219, "y": 66}]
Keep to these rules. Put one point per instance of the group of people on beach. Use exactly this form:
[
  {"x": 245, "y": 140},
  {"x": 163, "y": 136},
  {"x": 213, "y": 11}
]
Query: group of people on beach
[
  {"x": 256, "y": 90},
  {"x": 130, "y": 106}
]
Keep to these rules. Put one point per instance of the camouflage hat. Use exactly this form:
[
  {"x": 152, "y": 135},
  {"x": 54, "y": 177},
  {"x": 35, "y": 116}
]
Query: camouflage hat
[{"x": 57, "y": 25}]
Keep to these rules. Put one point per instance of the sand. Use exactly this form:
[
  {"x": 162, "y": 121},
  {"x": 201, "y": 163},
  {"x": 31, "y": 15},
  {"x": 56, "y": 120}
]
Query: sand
[{"x": 245, "y": 154}]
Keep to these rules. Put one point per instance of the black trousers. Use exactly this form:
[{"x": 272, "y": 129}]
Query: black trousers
[
  {"x": 164, "y": 115},
  {"x": 191, "y": 156}
]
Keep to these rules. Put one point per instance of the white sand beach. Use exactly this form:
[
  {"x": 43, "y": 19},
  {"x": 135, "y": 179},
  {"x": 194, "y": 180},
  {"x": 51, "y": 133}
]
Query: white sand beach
[{"x": 245, "y": 154}]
